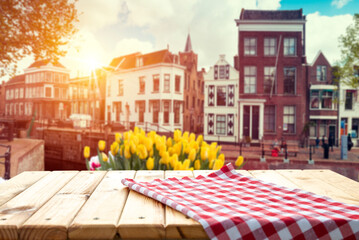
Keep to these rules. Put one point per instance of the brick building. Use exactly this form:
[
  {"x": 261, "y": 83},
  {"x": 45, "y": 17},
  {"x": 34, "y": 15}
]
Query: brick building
[
  {"x": 193, "y": 90},
  {"x": 272, "y": 81},
  {"x": 42, "y": 89},
  {"x": 322, "y": 104},
  {"x": 2, "y": 99}
]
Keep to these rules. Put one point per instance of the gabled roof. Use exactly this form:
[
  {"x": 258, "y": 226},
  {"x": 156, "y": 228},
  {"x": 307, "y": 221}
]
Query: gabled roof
[
  {"x": 320, "y": 53},
  {"x": 129, "y": 61},
  {"x": 271, "y": 15},
  {"x": 17, "y": 79},
  {"x": 41, "y": 63}
]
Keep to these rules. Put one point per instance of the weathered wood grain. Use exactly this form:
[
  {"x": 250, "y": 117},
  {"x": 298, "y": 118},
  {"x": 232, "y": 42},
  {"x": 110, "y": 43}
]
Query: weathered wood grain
[
  {"x": 143, "y": 217},
  {"x": 19, "y": 183},
  {"x": 273, "y": 177},
  {"x": 306, "y": 181},
  {"x": 17, "y": 210},
  {"x": 99, "y": 216},
  {"x": 54, "y": 217}
]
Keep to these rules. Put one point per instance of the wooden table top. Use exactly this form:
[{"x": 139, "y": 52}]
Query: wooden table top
[{"x": 95, "y": 205}]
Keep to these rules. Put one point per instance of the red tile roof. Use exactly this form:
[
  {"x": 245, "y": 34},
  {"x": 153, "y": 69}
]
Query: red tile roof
[
  {"x": 129, "y": 61},
  {"x": 17, "y": 79},
  {"x": 41, "y": 63}
]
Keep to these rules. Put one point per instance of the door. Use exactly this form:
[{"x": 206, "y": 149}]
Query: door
[
  {"x": 255, "y": 122},
  {"x": 332, "y": 133},
  {"x": 246, "y": 121}
]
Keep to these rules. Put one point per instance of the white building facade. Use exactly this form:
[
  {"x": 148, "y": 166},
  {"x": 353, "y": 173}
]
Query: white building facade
[
  {"x": 147, "y": 91},
  {"x": 349, "y": 112},
  {"x": 220, "y": 104}
]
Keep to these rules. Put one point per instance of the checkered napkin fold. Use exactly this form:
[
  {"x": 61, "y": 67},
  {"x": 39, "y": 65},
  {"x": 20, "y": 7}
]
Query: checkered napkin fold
[{"x": 232, "y": 206}]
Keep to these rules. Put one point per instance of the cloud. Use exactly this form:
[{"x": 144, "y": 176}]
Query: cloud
[
  {"x": 322, "y": 33},
  {"x": 132, "y": 45},
  {"x": 340, "y": 3}
]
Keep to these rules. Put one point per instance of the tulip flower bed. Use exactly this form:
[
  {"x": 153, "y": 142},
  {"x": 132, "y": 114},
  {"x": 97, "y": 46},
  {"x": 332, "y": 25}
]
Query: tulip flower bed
[{"x": 136, "y": 150}]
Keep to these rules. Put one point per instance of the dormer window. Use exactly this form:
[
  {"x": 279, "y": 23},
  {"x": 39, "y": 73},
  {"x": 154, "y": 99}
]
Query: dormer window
[
  {"x": 222, "y": 71},
  {"x": 139, "y": 62}
]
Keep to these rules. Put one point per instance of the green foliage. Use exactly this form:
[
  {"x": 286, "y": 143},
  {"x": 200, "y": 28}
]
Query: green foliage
[
  {"x": 349, "y": 44},
  {"x": 38, "y": 27}
]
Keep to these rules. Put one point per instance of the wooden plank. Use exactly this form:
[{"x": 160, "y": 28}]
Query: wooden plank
[
  {"x": 19, "y": 183},
  {"x": 196, "y": 173},
  {"x": 337, "y": 180},
  {"x": 53, "y": 218},
  {"x": 310, "y": 182},
  {"x": 97, "y": 220},
  {"x": 273, "y": 177},
  {"x": 142, "y": 217},
  {"x": 178, "y": 225},
  {"x": 17, "y": 210},
  {"x": 244, "y": 173}
]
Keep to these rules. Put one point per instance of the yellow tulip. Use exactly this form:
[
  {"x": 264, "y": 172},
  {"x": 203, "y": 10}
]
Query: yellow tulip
[
  {"x": 212, "y": 154},
  {"x": 118, "y": 137},
  {"x": 149, "y": 144},
  {"x": 178, "y": 166},
  {"x": 185, "y": 135},
  {"x": 150, "y": 163},
  {"x": 204, "y": 153},
  {"x": 136, "y": 130},
  {"x": 87, "y": 152},
  {"x": 165, "y": 158},
  {"x": 163, "y": 148},
  {"x": 221, "y": 157},
  {"x": 133, "y": 147},
  {"x": 177, "y": 135},
  {"x": 200, "y": 140},
  {"x": 151, "y": 153},
  {"x": 174, "y": 160},
  {"x": 192, "y": 154},
  {"x": 114, "y": 148},
  {"x": 186, "y": 163},
  {"x": 239, "y": 161},
  {"x": 211, "y": 164},
  {"x": 213, "y": 145},
  {"x": 142, "y": 151},
  {"x": 169, "y": 142},
  {"x": 192, "y": 137},
  {"x": 121, "y": 149},
  {"x": 218, "y": 164},
  {"x": 104, "y": 157},
  {"x": 194, "y": 145},
  {"x": 127, "y": 152},
  {"x": 101, "y": 145},
  {"x": 197, "y": 165}
]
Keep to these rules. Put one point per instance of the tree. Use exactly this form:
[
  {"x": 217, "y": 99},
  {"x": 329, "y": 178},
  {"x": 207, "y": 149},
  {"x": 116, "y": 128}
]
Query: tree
[
  {"x": 38, "y": 27},
  {"x": 349, "y": 44}
]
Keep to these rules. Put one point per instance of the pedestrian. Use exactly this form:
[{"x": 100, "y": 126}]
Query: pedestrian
[
  {"x": 331, "y": 141},
  {"x": 350, "y": 143},
  {"x": 323, "y": 140},
  {"x": 317, "y": 141}
]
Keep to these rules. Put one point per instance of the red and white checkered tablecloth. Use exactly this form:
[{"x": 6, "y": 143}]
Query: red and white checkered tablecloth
[{"x": 232, "y": 206}]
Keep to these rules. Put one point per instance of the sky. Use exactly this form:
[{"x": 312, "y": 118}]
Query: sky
[{"x": 111, "y": 28}]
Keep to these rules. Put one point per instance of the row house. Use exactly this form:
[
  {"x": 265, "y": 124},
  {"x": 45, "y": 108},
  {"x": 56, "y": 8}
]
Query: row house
[
  {"x": 2, "y": 99},
  {"x": 322, "y": 100},
  {"x": 193, "y": 90},
  {"x": 349, "y": 109},
  {"x": 147, "y": 90},
  {"x": 87, "y": 95},
  {"x": 272, "y": 80},
  {"x": 40, "y": 91},
  {"x": 221, "y": 106}
]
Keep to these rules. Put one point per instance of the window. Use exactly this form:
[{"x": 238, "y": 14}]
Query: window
[
  {"x": 289, "y": 119},
  {"x": 289, "y": 80},
  {"x": 142, "y": 84},
  {"x": 57, "y": 95},
  {"x": 321, "y": 73},
  {"x": 314, "y": 99},
  {"x": 348, "y": 100},
  {"x": 139, "y": 62},
  {"x": 57, "y": 77},
  {"x": 193, "y": 102},
  {"x": 21, "y": 93},
  {"x": 166, "y": 83},
  {"x": 250, "y": 46},
  {"x": 222, "y": 72},
  {"x": 250, "y": 79},
  {"x": 355, "y": 127},
  {"x": 48, "y": 77},
  {"x": 141, "y": 111},
  {"x": 269, "y": 78},
  {"x": 48, "y": 92},
  {"x": 221, "y": 124},
  {"x": 155, "y": 111},
  {"x": 178, "y": 83},
  {"x": 290, "y": 47},
  {"x": 120, "y": 87},
  {"x": 270, "y": 46},
  {"x": 156, "y": 83},
  {"x": 313, "y": 130},
  {"x": 16, "y": 93},
  {"x": 221, "y": 96},
  {"x": 322, "y": 129},
  {"x": 177, "y": 111},
  {"x": 269, "y": 118},
  {"x": 166, "y": 112},
  {"x": 327, "y": 97}
]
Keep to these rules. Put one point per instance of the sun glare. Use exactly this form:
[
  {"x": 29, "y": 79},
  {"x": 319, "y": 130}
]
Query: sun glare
[{"x": 92, "y": 63}]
